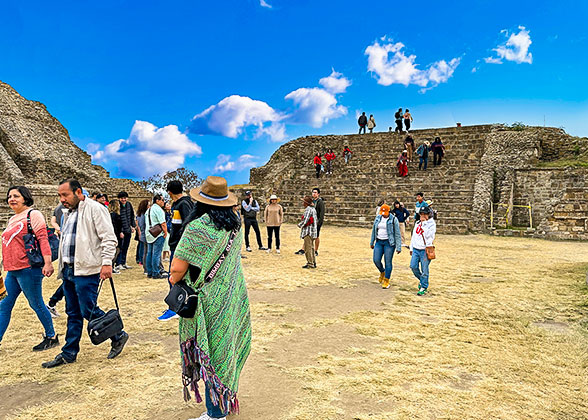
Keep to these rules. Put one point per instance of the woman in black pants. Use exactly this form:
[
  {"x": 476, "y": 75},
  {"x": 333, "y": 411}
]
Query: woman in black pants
[
  {"x": 438, "y": 151},
  {"x": 273, "y": 215}
]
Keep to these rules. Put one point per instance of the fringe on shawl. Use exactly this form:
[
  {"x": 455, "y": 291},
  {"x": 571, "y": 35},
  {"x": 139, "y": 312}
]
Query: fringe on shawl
[{"x": 195, "y": 366}]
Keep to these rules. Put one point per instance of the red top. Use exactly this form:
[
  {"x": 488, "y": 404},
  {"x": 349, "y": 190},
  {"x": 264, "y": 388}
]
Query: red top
[
  {"x": 347, "y": 149},
  {"x": 13, "y": 250},
  {"x": 330, "y": 156},
  {"x": 317, "y": 160}
]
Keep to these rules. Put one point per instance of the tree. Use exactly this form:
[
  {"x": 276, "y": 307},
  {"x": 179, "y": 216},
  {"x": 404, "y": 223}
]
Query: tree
[{"x": 158, "y": 183}]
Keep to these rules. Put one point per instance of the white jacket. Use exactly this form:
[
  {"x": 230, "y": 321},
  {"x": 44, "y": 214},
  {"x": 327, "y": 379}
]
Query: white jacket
[
  {"x": 95, "y": 239},
  {"x": 427, "y": 229}
]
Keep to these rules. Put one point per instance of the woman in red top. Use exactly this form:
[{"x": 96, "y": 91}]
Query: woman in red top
[
  {"x": 21, "y": 277},
  {"x": 330, "y": 156},
  {"x": 318, "y": 164},
  {"x": 403, "y": 163}
]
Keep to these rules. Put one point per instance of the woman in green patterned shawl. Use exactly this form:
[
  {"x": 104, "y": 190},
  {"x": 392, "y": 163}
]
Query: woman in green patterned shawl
[{"x": 216, "y": 342}]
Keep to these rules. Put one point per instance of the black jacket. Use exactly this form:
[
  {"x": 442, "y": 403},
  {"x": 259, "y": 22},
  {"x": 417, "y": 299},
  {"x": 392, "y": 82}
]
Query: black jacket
[
  {"x": 319, "y": 206},
  {"x": 116, "y": 224},
  {"x": 180, "y": 211},
  {"x": 362, "y": 120},
  {"x": 127, "y": 216}
]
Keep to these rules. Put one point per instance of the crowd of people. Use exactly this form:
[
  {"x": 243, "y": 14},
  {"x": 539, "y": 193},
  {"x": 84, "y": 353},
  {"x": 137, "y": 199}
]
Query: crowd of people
[
  {"x": 89, "y": 241},
  {"x": 329, "y": 158}
]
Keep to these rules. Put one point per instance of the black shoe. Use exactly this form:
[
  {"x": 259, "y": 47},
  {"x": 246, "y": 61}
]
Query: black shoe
[
  {"x": 262, "y": 248},
  {"x": 316, "y": 253},
  {"x": 117, "y": 346},
  {"x": 47, "y": 343},
  {"x": 58, "y": 361},
  {"x": 299, "y": 252},
  {"x": 159, "y": 276},
  {"x": 309, "y": 266}
]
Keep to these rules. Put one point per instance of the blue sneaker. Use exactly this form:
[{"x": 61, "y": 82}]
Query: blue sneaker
[{"x": 167, "y": 315}]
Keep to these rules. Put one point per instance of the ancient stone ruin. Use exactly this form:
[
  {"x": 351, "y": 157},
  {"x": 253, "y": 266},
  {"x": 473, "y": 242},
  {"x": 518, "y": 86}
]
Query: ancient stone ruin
[
  {"x": 36, "y": 151},
  {"x": 484, "y": 164}
]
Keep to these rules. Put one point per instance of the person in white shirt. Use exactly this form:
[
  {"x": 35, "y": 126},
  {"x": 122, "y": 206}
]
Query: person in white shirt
[
  {"x": 384, "y": 241},
  {"x": 423, "y": 236}
]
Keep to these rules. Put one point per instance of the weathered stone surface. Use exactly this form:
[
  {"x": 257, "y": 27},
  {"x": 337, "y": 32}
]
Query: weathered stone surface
[
  {"x": 36, "y": 151},
  {"x": 483, "y": 164}
]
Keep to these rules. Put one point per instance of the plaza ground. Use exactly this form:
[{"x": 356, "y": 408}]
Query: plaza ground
[{"x": 503, "y": 334}]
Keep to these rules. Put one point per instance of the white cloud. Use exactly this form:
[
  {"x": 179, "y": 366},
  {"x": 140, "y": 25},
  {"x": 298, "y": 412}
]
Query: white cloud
[
  {"x": 148, "y": 150},
  {"x": 225, "y": 164},
  {"x": 391, "y": 65},
  {"x": 515, "y": 49},
  {"x": 314, "y": 106},
  {"x": 335, "y": 82},
  {"x": 263, "y": 3},
  {"x": 234, "y": 113}
]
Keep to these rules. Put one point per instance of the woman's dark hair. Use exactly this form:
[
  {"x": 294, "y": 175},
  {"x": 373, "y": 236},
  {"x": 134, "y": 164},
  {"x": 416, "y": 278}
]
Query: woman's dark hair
[
  {"x": 222, "y": 217},
  {"x": 143, "y": 206},
  {"x": 24, "y": 191},
  {"x": 397, "y": 202},
  {"x": 157, "y": 197}
]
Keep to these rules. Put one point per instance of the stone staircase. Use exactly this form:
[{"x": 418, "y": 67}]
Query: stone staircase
[{"x": 353, "y": 190}]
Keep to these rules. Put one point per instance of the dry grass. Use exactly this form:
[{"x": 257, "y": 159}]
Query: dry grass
[{"x": 502, "y": 335}]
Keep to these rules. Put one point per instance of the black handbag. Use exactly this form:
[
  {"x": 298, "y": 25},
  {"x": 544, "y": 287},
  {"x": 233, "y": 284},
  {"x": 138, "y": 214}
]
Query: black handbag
[
  {"x": 33, "y": 248},
  {"x": 109, "y": 324},
  {"x": 182, "y": 299}
]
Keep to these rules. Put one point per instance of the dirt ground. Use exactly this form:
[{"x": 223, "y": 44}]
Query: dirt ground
[{"x": 503, "y": 334}]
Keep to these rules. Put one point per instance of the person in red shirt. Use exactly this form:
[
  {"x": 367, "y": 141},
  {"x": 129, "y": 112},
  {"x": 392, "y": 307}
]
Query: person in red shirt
[
  {"x": 403, "y": 164},
  {"x": 318, "y": 164},
  {"x": 21, "y": 276},
  {"x": 347, "y": 153},
  {"x": 330, "y": 156}
]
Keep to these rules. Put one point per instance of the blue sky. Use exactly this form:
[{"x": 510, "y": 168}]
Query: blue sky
[{"x": 217, "y": 86}]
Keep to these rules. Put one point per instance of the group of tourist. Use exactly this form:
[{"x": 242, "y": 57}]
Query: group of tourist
[
  {"x": 388, "y": 238},
  {"x": 409, "y": 152},
  {"x": 205, "y": 250},
  {"x": 329, "y": 157}
]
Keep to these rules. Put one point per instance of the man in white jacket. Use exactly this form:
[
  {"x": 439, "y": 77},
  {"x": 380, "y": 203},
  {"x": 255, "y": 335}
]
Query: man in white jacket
[
  {"x": 86, "y": 250},
  {"x": 423, "y": 236}
]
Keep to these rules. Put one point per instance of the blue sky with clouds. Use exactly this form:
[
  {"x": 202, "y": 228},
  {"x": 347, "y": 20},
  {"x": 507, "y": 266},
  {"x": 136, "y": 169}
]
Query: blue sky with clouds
[{"x": 146, "y": 87}]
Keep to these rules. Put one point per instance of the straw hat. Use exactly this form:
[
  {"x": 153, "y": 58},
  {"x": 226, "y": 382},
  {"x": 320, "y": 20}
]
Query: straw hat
[
  {"x": 273, "y": 197},
  {"x": 214, "y": 191}
]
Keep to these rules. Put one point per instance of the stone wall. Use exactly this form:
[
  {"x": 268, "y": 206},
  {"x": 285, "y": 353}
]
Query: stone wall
[
  {"x": 483, "y": 165},
  {"x": 36, "y": 151}
]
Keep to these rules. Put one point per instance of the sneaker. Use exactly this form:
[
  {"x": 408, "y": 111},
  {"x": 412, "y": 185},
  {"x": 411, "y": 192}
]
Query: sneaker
[
  {"x": 277, "y": 251},
  {"x": 385, "y": 283},
  {"x": 52, "y": 311},
  {"x": 167, "y": 315},
  {"x": 115, "y": 271},
  {"x": 119, "y": 267},
  {"x": 117, "y": 346},
  {"x": 299, "y": 252},
  {"x": 268, "y": 250},
  {"x": 58, "y": 361},
  {"x": 126, "y": 267},
  {"x": 309, "y": 266},
  {"x": 47, "y": 343},
  {"x": 248, "y": 249},
  {"x": 263, "y": 248},
  {"x": 316, "y": 253},
  {"x": 422, "y": 291}
]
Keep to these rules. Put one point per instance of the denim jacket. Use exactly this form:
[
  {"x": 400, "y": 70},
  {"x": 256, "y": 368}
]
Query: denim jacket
[{"x": 393, "y": 229}]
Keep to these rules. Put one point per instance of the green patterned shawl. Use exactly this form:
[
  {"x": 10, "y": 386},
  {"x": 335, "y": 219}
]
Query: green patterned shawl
[{"x": 216, "y": 342}]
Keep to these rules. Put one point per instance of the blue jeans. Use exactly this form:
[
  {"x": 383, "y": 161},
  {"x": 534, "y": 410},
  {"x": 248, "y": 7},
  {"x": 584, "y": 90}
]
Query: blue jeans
[
  {"x": 419, "y": 256},
  {"x": 29, "y": 281},
  {"x": 425, "y": 161},
  {"x": 139, "y": 253},
  {"x": 212, "y": 410},
  {"x": 154, "y": 251},
  {"x": 81, "y": 293},
  {"x": 382, "y": 248}
]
